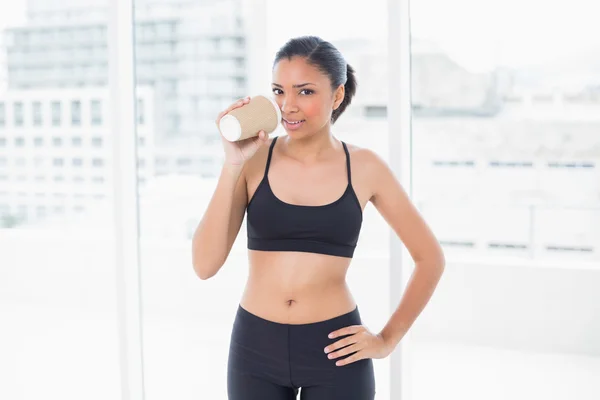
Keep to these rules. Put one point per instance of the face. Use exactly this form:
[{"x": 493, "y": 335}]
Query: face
[{"x": 305, "y": 97}]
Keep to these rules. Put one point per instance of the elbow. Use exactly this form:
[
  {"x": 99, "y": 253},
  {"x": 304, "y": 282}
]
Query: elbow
[
  {"x": 440, "y": 260},
  {"x": 204, "y": 275},
  {"x": 434, "y": 263},
  {"x": 441, "y": 263},
  {"x": 204, "y": 271},
  {"x": 204, "y": 267}
]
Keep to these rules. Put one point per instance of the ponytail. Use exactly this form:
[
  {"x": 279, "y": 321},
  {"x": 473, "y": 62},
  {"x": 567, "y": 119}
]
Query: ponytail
[{"x": 349, "y": 89}]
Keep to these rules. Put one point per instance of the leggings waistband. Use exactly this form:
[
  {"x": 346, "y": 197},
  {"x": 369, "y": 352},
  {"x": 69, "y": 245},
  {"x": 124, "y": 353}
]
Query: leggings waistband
[{"x": 351, "y": 315}]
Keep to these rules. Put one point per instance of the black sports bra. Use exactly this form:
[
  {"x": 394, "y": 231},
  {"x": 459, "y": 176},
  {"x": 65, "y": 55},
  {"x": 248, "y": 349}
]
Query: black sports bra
[{"x": 273, "y": 225}]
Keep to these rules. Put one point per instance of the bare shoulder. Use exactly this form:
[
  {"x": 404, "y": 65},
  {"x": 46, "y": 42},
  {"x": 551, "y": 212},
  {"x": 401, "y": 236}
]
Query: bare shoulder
[
  {"x": 366, "y": 161},
  {"x": 365, "y": 157},
  {"x": 369, "y": 169}
]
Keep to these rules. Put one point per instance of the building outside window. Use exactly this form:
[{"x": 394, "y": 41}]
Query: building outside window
[
  {"x": 76, "y": 113},
  {"x": 36, "y": 109},
  {"x": 96, "y": 112},
  {"x": 56, "y": 111},
  {"x": 19, "y": 113}
]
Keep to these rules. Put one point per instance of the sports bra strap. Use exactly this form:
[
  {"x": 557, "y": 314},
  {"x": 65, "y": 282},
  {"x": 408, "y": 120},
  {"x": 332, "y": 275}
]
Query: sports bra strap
[
  {"x": 348, "y": 163},
  {"x": 270, "y": 154}
]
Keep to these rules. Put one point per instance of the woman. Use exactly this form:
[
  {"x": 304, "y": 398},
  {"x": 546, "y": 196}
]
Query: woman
[{"x": 297, "y": 325}]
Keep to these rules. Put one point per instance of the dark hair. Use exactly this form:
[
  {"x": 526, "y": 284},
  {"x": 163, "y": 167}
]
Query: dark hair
[{"x": 328, "y": 60}]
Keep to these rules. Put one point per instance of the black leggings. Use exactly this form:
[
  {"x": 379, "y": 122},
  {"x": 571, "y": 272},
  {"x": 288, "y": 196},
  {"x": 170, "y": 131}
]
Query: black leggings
[{"x": 271, "y": 361}]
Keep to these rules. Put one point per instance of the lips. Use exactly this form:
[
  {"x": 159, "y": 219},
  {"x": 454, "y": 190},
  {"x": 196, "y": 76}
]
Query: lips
[
  {"x": 293, "y": 122},
  {"x": 293, "y": 125}
]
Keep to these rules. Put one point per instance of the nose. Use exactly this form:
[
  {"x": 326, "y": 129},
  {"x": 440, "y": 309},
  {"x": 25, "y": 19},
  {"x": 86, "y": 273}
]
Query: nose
[{"x": 288, "y": 104}]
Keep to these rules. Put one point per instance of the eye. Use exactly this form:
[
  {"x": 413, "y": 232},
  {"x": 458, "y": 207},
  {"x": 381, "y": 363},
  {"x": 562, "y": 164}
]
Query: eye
[
  {"x": 308, "y": 91},
  {"x": 275, "y": 90}
]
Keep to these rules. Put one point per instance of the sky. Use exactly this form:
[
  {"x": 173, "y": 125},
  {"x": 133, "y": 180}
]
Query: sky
[{"x": 479, "y": 34}]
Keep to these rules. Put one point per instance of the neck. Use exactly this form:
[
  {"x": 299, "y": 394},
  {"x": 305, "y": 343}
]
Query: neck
[{"x": 310, "y": 148}]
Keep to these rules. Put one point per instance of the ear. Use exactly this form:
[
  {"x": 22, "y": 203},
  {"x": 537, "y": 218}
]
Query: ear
[{"x": 338, "y": 96}]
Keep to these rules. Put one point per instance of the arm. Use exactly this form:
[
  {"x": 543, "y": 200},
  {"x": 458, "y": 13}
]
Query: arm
[
  {"x": 395, "y": 206},
  {"x": 219, "y": 227}
]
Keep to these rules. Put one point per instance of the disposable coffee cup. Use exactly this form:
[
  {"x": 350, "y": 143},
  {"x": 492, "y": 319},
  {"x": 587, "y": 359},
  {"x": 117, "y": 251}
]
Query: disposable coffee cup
[{"x": 260, "y": 114}]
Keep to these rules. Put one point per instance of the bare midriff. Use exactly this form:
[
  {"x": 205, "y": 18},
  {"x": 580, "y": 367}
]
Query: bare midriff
[{"x": 297, "y": 287}]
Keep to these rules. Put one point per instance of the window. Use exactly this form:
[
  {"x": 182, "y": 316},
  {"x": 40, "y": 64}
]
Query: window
[
  {"x": 140, "y": 111},
  {"x": 376, "y": 112},
  {"x": 503, "y": 170},
  {"x": 2, "y": 114},
  {"x": 96, "y": 112},
  {"x": 57, "y": 142},
  {"x": 76, "y": 113},
  {"x": 36, "y": 109},
  {"x": 56, "y": 113},
  {"x": 19, "y": 113},
  {"x": 38, "y": 142},
  {"x": 77, "y": 162},
  {"x": 174, "y": 122},
  {"x": 184, "y": 162},
  {"x": 97, "y": 162},
  {"x": 97, "y": 142},
  {"x": 58, "y": 209},
  {"x": 58, "y": 162},
  {"x": 19, "y": 142},
  {"x": 76, "y": 142}
]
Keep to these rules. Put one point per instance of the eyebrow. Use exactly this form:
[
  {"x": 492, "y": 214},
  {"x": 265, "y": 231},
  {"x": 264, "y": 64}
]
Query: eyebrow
[{"x": 295, "y": 86}]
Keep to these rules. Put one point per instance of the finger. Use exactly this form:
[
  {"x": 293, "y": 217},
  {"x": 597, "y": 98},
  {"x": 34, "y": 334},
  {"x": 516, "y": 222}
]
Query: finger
[
  {"x": 349, "y": 330},
  {"x": 232, "y": 107},
  {"x": 235, "y": 105},
  {"x": 219, "y": 117},
  {"x": 349, "y": 360},
  {"x": 241, "y": 102},
  {"x": 262, "y": 138},
  {"x": 341, "y": 343},
  {"x": 256, "y": 142},
  {"x": 259, "y": 139},
  {"x": 345, "y": 351}
]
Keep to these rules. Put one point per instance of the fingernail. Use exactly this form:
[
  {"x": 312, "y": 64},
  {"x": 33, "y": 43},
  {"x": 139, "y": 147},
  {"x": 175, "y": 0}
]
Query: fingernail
[
  {"x": 331, "y": 336},
  {"x": 326, "y": 349}
]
